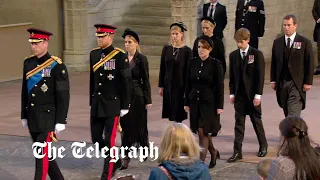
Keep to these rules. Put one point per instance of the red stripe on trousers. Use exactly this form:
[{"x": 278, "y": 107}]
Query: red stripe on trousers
[
  {"x": 45, "y": 160},
  {"x": 113, "y": 143}
]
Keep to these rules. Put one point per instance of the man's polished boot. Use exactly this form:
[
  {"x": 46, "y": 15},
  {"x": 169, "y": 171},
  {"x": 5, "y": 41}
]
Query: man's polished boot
[{"x": 235, "y": 157}]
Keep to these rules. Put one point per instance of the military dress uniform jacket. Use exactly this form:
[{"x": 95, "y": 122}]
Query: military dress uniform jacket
[
  {"x": 45, "y": 94},
  {"x": 251, "y": 16},
  {"x": 110, "y": 84}
]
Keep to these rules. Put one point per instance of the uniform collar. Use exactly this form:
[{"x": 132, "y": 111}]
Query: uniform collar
[
  {"x": 44, "y": 58},
  {"x": 108, "y": 50}
]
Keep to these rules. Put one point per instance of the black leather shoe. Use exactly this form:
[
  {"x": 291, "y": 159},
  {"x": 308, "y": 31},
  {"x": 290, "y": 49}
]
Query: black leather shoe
[
  {"x": 214, "y": 160},
  {"x": 262, "y": 152},
  {"x": 235, "y": 157},
  {"x": 125, "y": 163},
  {"x": 317, "y": 72}
]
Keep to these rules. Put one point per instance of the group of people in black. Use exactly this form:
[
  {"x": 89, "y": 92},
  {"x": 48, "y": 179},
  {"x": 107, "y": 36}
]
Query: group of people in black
[{"x": 190, "y": 81}]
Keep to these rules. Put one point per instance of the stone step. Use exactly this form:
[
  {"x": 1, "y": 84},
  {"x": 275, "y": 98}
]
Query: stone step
[
  {"x": 152, "y": 40},
  {"x": 155, "y": 3},
  {"x": 146, "y": 20},
  {"x": 145, "y": 10},
  {"x": 146, "y": 30}
]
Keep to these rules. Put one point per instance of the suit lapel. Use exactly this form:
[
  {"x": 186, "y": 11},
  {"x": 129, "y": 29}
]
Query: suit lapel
[
  {"x": 280, "y": 46},
  {"x": 206, "y": 8},
  {"x": 216, "y": 9},
  {"x": 246, "y": 60}
]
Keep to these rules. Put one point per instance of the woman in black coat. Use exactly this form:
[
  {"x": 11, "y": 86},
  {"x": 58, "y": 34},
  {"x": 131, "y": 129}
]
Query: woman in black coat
[
  {"x": 218, "y": 50},
  {"x": 172, "y": 74},
  {"x": 134, "y": 124},
  {"x": 204, "y": 97}
]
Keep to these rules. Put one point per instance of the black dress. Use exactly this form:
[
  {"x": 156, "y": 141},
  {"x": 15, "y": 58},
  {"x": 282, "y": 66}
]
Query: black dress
[
  {"x": 205, "y": 94},
  {"x": 172, "y": 77},
  {"x": 134, "y": 124},
  {"x": 217, "y": 52}
]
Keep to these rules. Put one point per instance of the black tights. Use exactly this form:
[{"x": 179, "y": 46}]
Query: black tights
[{"x": 205, "y": 141}]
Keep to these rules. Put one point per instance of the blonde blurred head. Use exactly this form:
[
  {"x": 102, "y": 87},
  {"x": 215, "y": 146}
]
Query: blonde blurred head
[{"x": 177, "y": 140}]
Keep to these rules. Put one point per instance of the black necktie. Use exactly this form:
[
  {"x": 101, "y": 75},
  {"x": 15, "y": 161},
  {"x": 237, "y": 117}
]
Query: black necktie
[
  {"x": 243, "y": 54},
  {"x": 288, "y": 43},
  {"x": 211, "y": 15}
]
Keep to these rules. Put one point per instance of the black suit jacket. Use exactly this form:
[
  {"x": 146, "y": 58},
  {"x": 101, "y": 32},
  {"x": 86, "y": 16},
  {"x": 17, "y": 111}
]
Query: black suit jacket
[
  {"x": 220, "y": 17},
  {"x": 47, "y": 101},
  {"x": 253, "y": 73},
  {"x": 251, "y": 16},
  {"x": 300, "y": 63},
  {"x": 110, "y": 88}
]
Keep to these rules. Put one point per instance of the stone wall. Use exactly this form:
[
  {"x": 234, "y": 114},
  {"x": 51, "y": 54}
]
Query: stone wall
[{"x": 40, "y": 15}]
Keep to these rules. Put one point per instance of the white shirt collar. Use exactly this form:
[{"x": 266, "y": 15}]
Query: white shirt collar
[
  {"x": 246, "y": 51},
  {"x": 291, "y": 38},
  {"x": 215, "y": 4}
]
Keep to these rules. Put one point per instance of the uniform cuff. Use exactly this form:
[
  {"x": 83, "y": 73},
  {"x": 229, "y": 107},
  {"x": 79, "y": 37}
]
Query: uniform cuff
[{"x": 231, "y": 95}]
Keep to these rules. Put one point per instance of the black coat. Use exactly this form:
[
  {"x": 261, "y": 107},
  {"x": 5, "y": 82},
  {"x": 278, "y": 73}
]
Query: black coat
[
  {"x": 316, "y": 16},
  {"x": 251, "y": 16},
  {"x": 218, "y": 51},
  {"x": 45, "y": 99},
  {"x": 300, "y": 64},
  {"x": 253, "y": 74},
  {"x": 134, "y": 124},
  {"x": 205, "y": 94},
  {"x": 172, "y": 78},
  {"x": 110, "y": 87},
  {"x": 220, "y": 17}
]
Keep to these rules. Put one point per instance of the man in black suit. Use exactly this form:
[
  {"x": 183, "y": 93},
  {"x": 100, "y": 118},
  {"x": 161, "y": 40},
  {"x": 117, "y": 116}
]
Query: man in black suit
[
  {"x": 291, "y": 68},
  {"x": 316, "y": 32},
  {"x": 246, "y": 71},
  {"x": 250, "y": 14},
  {"x": 218, "y": 13}
]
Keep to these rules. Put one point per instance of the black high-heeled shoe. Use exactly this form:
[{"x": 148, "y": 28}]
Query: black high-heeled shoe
[{"x": 214, "y": 160}]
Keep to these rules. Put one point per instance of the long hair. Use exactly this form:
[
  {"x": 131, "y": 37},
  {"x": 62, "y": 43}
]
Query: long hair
[
  {"x": 177, "y": 140},
  {"x": 296, "y": 145}
]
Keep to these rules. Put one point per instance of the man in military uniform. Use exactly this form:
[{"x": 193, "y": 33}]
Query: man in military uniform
[
  {"x": 110, "y": 88},
  {"x": 250, "y": 14},
  {"x": 44, "y": 99}
]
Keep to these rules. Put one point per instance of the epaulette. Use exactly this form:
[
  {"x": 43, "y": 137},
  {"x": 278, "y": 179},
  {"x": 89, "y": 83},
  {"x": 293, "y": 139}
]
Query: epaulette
[
  {"x": 31, "y": 56},
  {"x": 95, "y": 48},
  {"x": 57, "y": 59},
  {"x": 120, "y": 50}
]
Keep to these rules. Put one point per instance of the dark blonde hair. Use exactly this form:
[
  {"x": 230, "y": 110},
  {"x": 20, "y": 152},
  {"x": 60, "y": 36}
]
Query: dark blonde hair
[
  {"x": 178, "y": 139},
  {"x": 242, "y": 34}
]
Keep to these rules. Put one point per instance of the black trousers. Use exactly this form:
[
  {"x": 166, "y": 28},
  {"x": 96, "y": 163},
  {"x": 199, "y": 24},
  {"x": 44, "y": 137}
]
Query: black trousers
[
  {"x": 244, "y": 107},
  {"x": 45, "y": 166},
  {"x": 254, "y": 42},
  {"x": 290, "y": 98},
  {"x": 108, "y": 126}
]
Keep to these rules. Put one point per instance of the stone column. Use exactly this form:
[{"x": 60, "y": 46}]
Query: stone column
[
  {"x": 76, "y": 53},
  {"x": 186, "y": 12}
]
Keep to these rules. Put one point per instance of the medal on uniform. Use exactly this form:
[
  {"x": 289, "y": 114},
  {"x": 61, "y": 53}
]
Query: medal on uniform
[
  {"x": 110, "y": 77},
  {"x": 252, "y": 9},
  {"x": 46, "y": 72},
  {"x": 112, "y": 64},
  {"x": 44, "y": 87},
  {"x": 297, "y": 45},
  {"x": 251, "y": 59}
]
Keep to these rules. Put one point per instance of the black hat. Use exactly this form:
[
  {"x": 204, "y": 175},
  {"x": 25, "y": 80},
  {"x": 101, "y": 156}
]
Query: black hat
[
  {"x": 208, "y": 19},
  {"x": 38, "y": 35},
  {"x": 180, "y": 25},
  {"x": 104, "y": 29},
  {"x": 206, "y": 38},
  {"x": 131, "y": 33}
]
